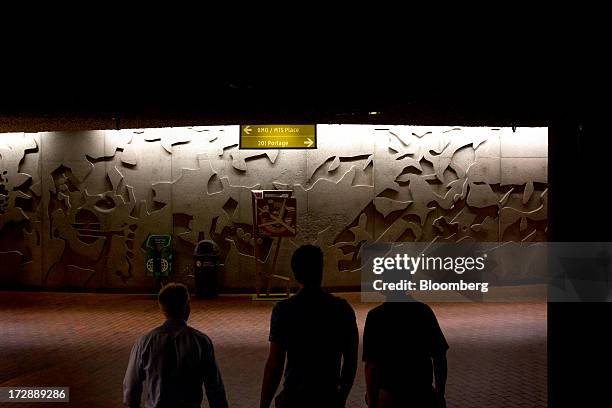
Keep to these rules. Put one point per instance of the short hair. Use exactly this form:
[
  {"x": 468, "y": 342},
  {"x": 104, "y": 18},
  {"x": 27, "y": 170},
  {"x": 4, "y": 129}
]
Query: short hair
[
  {"x": 307, "y": 265},
  {"x": 173, "y": 299}
]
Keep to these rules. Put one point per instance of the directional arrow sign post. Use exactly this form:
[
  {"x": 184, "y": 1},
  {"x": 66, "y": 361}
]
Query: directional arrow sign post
[{"x": 278, "y": 137}]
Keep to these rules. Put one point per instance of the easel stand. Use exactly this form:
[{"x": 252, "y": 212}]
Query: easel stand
[
  {"x": 269, "y": 277},
  {"x": 258, "y": 226}
]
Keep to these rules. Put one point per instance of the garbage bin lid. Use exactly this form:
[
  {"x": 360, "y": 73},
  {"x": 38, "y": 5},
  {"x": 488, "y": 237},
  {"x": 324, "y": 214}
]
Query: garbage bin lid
[{"x": 206, "y": 247}]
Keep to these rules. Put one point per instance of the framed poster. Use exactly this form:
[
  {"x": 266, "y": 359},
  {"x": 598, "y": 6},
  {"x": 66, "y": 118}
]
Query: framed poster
[{"x": 274, "y": 213}]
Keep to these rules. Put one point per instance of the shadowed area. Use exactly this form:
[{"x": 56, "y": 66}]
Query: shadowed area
[{"x": 497, "y": 355}]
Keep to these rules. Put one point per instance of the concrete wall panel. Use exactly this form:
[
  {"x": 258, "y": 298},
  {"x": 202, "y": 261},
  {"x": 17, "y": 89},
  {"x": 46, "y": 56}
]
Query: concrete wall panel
[{"x": 76, "y": 207}]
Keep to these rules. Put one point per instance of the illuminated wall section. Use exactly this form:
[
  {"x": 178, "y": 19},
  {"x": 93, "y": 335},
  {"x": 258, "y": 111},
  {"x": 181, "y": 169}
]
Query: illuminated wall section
[{"x": 75, "y": 208}]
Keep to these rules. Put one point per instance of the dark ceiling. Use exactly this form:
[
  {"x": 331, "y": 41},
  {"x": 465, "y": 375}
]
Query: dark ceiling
[{"x": 501, "y": 91}]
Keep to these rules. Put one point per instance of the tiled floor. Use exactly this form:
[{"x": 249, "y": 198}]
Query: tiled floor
[{"x": 497, "y": 356}]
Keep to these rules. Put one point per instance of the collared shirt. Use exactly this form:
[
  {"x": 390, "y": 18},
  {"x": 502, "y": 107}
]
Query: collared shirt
[
  {"x": 315, "y": 328},
  {"x": 173, "y": 360}
]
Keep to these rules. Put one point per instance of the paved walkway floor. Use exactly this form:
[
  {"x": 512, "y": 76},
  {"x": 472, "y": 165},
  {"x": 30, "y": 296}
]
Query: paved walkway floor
[{"x": 497, "y": 356}]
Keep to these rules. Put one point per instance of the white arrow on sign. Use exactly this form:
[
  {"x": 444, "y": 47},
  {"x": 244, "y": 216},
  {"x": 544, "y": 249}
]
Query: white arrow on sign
[
  {"x": 247, "y": 130},
  {"x": 308, "y": 142}
]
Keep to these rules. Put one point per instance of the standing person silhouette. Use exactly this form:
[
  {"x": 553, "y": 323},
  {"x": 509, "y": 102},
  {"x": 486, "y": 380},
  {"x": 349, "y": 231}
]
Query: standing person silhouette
[
  {"x": 402, "y": 340},
  {"x": 174, "y": 360},
  {"x": 317, "y": 333}
]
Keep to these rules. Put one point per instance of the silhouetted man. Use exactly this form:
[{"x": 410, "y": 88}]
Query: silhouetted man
[
  {"x": 401, "y": 342},
  {"x": 174, "y": 360},
  {"x": 317, "y": 332}
]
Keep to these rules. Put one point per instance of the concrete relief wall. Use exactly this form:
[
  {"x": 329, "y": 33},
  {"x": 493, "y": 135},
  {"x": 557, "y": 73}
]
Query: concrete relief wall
[{"x": 75, "y": 208}]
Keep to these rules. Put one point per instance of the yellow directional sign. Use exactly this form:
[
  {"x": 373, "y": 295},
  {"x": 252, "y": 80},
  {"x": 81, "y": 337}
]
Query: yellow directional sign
[{"x": 278, "y": 136}]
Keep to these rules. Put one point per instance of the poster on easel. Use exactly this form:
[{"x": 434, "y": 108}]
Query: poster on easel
[{"x": 275, "y": 213}]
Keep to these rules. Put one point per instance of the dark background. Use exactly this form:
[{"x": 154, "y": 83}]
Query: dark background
[{"x": 508, "y": 88}]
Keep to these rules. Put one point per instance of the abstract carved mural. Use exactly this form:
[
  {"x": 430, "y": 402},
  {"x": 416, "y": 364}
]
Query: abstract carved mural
[{"x": 76, "y": 207}]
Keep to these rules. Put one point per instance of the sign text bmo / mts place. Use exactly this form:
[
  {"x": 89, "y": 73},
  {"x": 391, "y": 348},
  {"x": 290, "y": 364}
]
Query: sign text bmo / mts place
[{"x": 278, "y": 137}]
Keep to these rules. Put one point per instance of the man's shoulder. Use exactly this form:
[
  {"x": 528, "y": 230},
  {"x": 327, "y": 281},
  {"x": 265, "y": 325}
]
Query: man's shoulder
[
  {"x": 298, "y": 301},
  {"x": 339, "y": 301},
  {"x": 377, "y": 312},
  {"x": 152, "y": 333},
  {"x": 391, "y": 307},
  {"x": 145, "y": 339},
  {"x": 200, "y": 335},
  {"x": 285, "y": 304},
  {"x": 422, "y": 308},
  {"x": 161, "y": 330},
  {"x": 378, "y": 309},
  {"x": 339, "y": 306}
]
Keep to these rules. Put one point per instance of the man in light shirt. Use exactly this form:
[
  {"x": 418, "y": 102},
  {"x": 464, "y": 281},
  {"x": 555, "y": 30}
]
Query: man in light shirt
[{"x": 173, "y": 360}]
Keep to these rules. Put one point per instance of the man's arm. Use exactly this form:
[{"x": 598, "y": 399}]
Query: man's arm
[
  {"x": 349, "y": 357},
  {"x": 440, "y": 373},
  {"x": 372, "y": 378},
  {"x": 371, "y": 358},
  {"x": 213, "y": 383},
  {"x": 438, "y": 349},
  {"x": 272, "y": 374},
  {"x": 132, "y": 382}
]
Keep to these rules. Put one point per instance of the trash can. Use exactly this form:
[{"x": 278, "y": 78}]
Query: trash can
[{"x": 206, "y": 269}]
